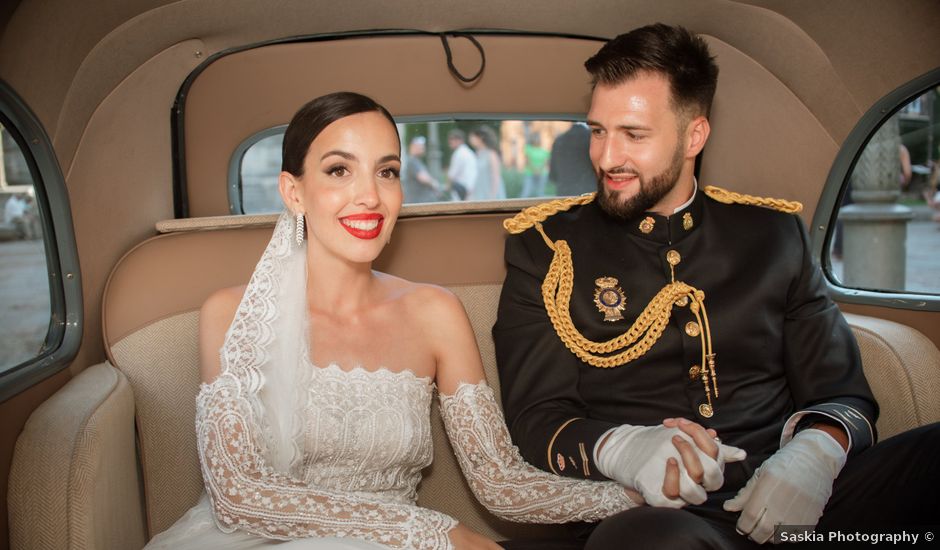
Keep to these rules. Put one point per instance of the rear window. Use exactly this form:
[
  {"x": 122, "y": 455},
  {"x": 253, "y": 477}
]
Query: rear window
[{"x": 445, "y": 160}]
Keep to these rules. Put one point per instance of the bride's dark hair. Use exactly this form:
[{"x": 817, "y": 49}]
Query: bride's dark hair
[{"x": 316, "y": 115}]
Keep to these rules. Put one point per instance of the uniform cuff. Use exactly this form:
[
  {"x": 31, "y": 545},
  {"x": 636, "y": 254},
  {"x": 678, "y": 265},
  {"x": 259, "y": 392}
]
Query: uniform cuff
[
  {"x": 571, "y": 448},
  {"x": 856, "y": 426}
]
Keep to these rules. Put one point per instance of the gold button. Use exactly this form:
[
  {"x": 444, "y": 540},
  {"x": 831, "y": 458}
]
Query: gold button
[
  {"x": 705, "y": 410},
  {"x": 694, "y": 372},
  {"x": 683, "y": 301},
  {"x": 673, "y": 257},
  {"x": 692, "y": 329},
  {"x": 646, "y": 226}
]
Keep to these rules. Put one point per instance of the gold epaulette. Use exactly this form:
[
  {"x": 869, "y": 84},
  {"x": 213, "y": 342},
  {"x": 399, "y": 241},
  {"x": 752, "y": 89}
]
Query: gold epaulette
[
  {"x": 541, "y": 212},
  {"x": 730, "y": 197}
]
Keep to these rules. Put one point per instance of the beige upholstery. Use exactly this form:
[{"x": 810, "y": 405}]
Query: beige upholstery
[
  {"x": 74, "y": 480},
  {"x": 151, "y": 321},
  {"x": 903, "y": 368},
  {"x": 162, "y": 363}
]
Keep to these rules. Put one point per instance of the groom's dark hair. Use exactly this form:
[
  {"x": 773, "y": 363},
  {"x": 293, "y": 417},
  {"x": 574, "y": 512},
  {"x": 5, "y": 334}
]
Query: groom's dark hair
[
  {"x": 675, "y": 53},
  {"x": 316, "y": 115}
]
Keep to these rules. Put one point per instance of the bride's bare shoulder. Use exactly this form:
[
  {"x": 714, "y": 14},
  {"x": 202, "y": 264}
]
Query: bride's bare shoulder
[
  {"x": 223, "y": 302},
  {"x": 220, "y": 306},
  {"x": 433, "y": 303},
  {"x": 440, "y": 317},
  {"x": 215, "y": 316}
]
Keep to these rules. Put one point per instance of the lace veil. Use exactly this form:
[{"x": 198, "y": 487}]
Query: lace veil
[{"x": 265, "y": 345}]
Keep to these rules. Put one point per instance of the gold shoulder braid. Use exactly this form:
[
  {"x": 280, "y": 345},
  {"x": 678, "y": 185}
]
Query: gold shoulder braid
[
  {"x": 534, "y": 215},
  {"x": 730, "y": 197},
  {"x": 645, "y": 331}
]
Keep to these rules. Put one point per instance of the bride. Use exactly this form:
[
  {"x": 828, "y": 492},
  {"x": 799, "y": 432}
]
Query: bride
[{"x": 313, "y": 417}]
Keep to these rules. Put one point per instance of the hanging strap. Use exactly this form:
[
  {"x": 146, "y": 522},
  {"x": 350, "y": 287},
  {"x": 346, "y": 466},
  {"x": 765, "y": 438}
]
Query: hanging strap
[{"x": 450, "y": 57}]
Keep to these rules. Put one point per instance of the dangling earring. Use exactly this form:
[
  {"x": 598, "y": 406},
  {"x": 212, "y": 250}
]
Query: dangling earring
[{"x": 299, "y": 236}]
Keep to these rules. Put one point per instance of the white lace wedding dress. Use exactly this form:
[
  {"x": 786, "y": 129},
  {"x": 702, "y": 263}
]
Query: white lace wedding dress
[{"x": 330, "y": 458}]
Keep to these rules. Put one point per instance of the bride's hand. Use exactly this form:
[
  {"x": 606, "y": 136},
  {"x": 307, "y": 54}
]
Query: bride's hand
[{"x": 463, "y": 538}]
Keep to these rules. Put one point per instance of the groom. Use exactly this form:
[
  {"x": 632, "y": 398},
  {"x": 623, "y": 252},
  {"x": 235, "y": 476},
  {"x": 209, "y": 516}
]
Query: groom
[{"x": 700, "y": 309}]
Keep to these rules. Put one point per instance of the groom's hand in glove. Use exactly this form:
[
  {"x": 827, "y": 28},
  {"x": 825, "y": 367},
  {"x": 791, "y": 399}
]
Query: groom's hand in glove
[
  {"x": 791, "y": 487},
  {"x": 639, "y": 458}
]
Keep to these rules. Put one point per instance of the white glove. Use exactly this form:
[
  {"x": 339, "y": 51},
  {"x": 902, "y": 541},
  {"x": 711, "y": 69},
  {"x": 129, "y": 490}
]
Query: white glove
[
  {"x": 791, "y": 487},
  {"x": 636, "y": 457}
]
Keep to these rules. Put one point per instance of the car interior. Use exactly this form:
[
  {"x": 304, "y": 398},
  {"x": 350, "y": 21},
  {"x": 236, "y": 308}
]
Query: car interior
[{"x": 133, "y": 118}]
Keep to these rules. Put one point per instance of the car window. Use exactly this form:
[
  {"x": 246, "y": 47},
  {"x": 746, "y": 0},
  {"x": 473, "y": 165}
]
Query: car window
[
  {"x": 25, "y": 301},
  {"x": 887, "y": 230},
  {"x": 445, "y": 161}
]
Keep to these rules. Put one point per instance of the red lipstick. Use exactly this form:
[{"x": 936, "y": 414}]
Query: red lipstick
[{"x": 363, "y": 226}]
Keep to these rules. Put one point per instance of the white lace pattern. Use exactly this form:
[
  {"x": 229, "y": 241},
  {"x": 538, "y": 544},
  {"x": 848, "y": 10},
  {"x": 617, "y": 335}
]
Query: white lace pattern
[
  {"x": 367, "y": 432},
  {"x": 372, "y": 499},
  {"x": 503, "y": 481}
]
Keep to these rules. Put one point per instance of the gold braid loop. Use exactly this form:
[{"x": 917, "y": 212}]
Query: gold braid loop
[
  {"x": 635, "y": 342},
  {"x": 533, "y": 215},
  {"x": 730, "y": 197},
  {"x": 642, "y": 335}
]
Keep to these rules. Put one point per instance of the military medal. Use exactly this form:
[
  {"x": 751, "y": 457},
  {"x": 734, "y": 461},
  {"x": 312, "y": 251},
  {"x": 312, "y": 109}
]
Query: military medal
[{"x": 609, "y": 298}]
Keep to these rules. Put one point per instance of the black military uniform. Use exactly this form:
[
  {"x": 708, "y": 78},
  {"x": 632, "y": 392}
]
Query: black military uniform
[{"x": 781, "y": 345}]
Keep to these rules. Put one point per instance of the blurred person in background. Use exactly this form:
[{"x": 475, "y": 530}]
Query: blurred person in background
[
  {"x": 570, "y": 164},
  {"x": 462, "y": 172},
  {"x": 489, "y": 181},
  {"x": 536, "y": 167},
  {"x": 417, "y": 183}
]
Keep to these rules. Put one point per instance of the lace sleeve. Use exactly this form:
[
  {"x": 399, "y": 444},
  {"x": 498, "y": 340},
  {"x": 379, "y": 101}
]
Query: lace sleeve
[
  {"x": 503, "y": 481},
  {"x": 248, "y": 495}
]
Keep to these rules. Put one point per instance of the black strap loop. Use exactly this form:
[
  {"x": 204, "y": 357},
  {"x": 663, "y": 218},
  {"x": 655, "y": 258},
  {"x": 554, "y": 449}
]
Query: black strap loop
[{"x": 450, "y": 57}]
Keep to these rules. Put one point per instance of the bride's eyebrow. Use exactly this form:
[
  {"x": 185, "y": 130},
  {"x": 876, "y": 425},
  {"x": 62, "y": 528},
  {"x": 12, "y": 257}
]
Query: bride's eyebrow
[
  {"x": 337, "y": 152},
  {"x": 389, "y": 158}
]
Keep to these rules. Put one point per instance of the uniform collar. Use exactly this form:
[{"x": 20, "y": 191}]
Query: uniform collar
[
  {"x": 669, "y": 229},
  {"x": 686, "y": 204}
]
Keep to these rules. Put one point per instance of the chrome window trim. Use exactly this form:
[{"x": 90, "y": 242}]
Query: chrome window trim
[
  {"x": 234, "y": 183},
  {"x": 66, "y": 324}
]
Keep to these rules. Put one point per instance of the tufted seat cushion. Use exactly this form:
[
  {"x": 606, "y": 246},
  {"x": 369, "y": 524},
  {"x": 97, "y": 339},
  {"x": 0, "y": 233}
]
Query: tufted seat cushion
[{"x": 903, "y": 368}]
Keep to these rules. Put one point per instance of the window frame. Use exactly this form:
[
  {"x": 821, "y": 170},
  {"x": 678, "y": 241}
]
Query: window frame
[
  {"x": 64, "y": 335},
  {"x": 827, "y": 210}
]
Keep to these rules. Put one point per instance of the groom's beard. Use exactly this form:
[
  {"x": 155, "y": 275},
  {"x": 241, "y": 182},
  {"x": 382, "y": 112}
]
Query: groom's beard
[{"x": 651, "y": 191}]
